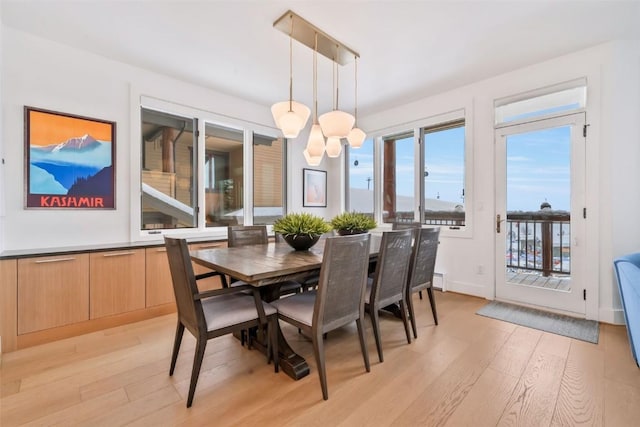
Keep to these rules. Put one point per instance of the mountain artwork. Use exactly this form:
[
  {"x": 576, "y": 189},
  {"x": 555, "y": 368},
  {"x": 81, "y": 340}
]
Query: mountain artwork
[{"x": 70, "y": 161}]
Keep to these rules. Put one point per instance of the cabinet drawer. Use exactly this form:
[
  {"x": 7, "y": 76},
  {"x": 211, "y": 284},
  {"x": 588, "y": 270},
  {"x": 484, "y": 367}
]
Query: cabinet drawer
[
  {"x": 117, "y": 282},
  {"x": 52, "y": 291},
  {"x": 158, "y": 277}
]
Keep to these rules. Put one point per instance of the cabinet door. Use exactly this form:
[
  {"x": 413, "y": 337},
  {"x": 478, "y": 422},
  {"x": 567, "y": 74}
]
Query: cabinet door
[
  {"x": 52, "y": 291},
  {"x": 212, "y": 282},
  {"x": 117, "y": 282},
  {"x": 158, "y": 277}
]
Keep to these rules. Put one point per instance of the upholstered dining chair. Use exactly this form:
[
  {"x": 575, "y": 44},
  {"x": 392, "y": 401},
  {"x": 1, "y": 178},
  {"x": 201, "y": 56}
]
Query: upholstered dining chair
[
  {"x": 338, "y": 301},
  {"x": 242, "y": 235},
  {"x": 423, "y": 264},
  {"x": 213, "y": 313},
  {"x": 389, "y": 282}
]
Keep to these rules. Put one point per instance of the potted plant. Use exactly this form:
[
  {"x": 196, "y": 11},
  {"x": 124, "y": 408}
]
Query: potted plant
[
  {"x": 301, "y": 230},
  {"x": 352, "y": 223}
]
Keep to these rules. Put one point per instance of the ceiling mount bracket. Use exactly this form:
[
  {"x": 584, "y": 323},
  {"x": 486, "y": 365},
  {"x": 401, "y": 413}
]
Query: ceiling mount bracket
[{"x": 305, "y": 32}]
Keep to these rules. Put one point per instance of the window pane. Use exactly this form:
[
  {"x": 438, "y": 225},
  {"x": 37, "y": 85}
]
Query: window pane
[
  {"x": 360, "y": 192},
  {"x": 398, "y": 201},
  {"x": 268, "y": 179},
  {"x": 223, "y": 176},
  {"x": 555, "y": 102},
  {"x": 168, "y": 170},
  {"x": 444, "y": 175}
]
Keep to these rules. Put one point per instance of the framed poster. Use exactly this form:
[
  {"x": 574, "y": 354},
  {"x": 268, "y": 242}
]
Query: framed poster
[
  {"x": 314, "y": 188},
  {"x": 69, "y": 161}
]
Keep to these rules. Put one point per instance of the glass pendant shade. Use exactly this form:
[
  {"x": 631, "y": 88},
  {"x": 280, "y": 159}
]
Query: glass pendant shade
[
  {"x": 334, "y": 147},
  {"x": 356, "y": 137},
  {"x": 311, "y": 160},
  {"x": 280, "y": 109},
  {"x": 336, "y": 123},
  {"x": 290, "y": 124},
  {"x": 315, "y": 145}
]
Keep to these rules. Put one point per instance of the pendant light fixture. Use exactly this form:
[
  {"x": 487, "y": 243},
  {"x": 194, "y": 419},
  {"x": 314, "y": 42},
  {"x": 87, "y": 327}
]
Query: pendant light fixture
[
  {"x": 336, "y": 123},
  {"x": 290, "y": 116},
  {"x": 356, "y": 135},
  {"x": 315, "y": 144},
  {"x": 334, "y": 146}
]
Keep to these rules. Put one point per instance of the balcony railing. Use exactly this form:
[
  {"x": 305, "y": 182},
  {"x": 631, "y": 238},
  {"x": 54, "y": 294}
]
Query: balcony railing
[{"x": 539, "y": 241}]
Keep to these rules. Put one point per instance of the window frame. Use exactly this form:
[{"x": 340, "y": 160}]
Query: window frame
[
  {"x": 203, "y": 117},
  {"x": 415, "y": 127}
]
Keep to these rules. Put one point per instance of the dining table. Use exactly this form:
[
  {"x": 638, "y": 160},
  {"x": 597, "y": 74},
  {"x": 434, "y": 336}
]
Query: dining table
[{"x": 265, "y": 266}]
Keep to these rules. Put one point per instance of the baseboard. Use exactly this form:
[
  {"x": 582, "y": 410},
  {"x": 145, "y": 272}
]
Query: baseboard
[
  {"x": 466, "y": 288},
  {"x": 613, "y": 316},
  {"x": 440, "y": 281}
]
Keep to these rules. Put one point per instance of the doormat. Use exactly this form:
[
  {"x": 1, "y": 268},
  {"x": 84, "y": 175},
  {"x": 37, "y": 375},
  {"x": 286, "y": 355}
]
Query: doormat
[{"x": 580, "y": 329}]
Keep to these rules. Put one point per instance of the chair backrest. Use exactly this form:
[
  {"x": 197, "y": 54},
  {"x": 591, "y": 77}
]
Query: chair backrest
[
  {"x": 423, "y": 261},
  {"x": 184, "y": 285},
  {"x": 242, "y": 235},
  {"x": 392, "y": 269},
  {"x": 405, "y": 225},
  {"x": 343, "y": 278}
]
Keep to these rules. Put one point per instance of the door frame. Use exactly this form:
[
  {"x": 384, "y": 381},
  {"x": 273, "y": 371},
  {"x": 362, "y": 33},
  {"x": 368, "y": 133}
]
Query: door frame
[{"x": 539, "y": 297}]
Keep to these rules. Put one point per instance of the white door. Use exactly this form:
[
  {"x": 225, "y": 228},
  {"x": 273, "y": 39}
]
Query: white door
[{"x": 540, "y": 210}]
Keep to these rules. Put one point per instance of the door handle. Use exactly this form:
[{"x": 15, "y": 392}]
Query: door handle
[{"x": 498, "y": 221}]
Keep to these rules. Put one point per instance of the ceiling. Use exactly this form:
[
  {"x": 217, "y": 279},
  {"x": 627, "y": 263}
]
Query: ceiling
[{"x": 408, "y": 49}]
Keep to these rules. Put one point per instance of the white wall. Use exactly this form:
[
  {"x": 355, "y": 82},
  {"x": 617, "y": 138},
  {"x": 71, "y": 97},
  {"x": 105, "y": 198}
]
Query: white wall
[{"x": 612, "y": 182}]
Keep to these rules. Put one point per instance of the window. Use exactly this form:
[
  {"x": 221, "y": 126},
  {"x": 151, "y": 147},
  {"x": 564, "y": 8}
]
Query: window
[
  {"x": 169, "y": 196},
  {"x": 223, "y": 176},
  {"x": 444, "y": 174},
  {"x": 201, "y": 172},
  {"x": 360, "y": 178},
  {"x": 268, "y": 179},
  {"x": 398, "y": 186}
]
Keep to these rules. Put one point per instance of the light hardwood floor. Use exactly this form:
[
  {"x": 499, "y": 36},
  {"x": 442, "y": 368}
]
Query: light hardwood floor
[{"x": 469, "y": 370}]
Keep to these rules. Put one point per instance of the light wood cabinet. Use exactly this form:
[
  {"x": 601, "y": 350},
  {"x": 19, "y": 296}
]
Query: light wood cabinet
[
  {"x": 212, "y": 282},
  {"x": 158, "y": 277},
  {"x": 52, "y": 291},
  {"x": 117, "y": 282},
  {"x": 8, "y": 308}
]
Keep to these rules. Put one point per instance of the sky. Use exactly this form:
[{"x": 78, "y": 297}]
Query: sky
[{"x": 538, "y": 167}]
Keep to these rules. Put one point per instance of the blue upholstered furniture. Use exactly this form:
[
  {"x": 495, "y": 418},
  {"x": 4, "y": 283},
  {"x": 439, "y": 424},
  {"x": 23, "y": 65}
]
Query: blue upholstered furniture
[{"x": 628, "y": 273}]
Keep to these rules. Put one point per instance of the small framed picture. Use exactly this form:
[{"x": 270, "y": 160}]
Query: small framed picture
[
  {"x": 69, "y": 161},
  {"x": 314, "y": 188}
]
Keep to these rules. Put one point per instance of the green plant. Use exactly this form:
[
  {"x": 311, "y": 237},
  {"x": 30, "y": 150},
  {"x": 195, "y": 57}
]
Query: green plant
[
  {"x": 353, "y": 221},
  {"x": 301, "y": 223}
]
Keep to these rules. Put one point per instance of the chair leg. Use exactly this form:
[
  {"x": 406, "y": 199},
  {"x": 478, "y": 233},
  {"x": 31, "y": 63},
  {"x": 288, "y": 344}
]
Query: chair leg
[
  {"x": 412, "y": 315},
  {"x": 201, "y": 345},
  {"x": 176, "y": 346},
  {"x": 363, "y": 345},
  {"x": 432, "y": 301},
  {"x": 420, "y": 294},
  {"x": 375, "y": 321},
  {"x": 403, "y": 309},
  {"x": 318, "y": 350},
  {"x": 223, "y": 279},
  {"x": 273, "y": 336}
]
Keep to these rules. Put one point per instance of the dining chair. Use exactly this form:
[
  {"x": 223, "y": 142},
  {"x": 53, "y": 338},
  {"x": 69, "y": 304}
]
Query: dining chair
[
  {"x": 213, "y": 313},
  {"x": 338, "y": 300},
  {"x": 242, "y": 235},
  {"x": 389, "y": 282},
  {"x": 423, "y": 264}
]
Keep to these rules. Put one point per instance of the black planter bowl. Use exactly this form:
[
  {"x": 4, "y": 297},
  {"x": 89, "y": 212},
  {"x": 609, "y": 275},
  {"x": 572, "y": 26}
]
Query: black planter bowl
[{"x": 301, "y": 242}]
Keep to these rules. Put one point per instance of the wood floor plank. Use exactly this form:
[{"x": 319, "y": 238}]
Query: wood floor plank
[
  {"x": 581, "y": 397},
  {"x": 622, "y": 404},
  {"x": 514, "y": 356},
  {"x": 534, "y": 398},
  {"x": 474, "y": 410}
]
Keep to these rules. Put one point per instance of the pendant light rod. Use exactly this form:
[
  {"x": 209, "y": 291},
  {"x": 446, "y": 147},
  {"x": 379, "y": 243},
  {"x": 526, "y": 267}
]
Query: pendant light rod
[
  {"x": 291, "y": 68},
  {"x": 305, "y": 33}
]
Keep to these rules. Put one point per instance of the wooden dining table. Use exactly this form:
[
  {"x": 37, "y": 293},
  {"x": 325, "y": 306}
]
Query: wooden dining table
[{"x": 266, "y": 266}]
